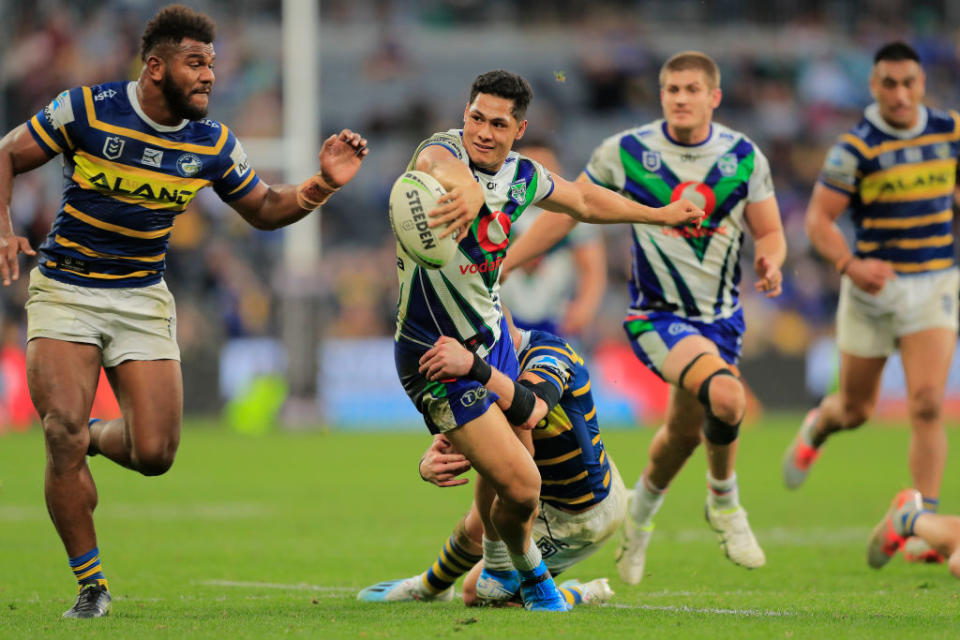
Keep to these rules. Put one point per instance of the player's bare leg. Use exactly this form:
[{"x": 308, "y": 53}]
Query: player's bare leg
[
  {"x": 848, "y": 408},
  {"x": 926, "y": 357},
  {"x": 145, "y": 439},
  {"x": 943, "y": 534},
  {"x": 62, "y": 377}
]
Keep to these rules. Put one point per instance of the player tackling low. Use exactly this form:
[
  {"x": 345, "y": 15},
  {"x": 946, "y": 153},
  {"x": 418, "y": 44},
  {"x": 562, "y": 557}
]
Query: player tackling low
[
  {"x": 583, "y": 500},
  {"x": 686, "y": 322},
  {"x": 488, "y": 187},
  {"x": 134, "y": 155}
]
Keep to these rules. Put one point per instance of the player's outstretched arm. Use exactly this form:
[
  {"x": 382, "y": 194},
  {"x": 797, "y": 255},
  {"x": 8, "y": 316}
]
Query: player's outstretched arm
[
  {"x": 826, "y": 205},
  {"x": 763, "y": 221},
  {"x": 588, "y": 202},
  {"x": 19, "y": 153},
  {"x": 460, "y": 205},
  {"x": 271, "y": 207},
  {"x": 450, "y": 359}
]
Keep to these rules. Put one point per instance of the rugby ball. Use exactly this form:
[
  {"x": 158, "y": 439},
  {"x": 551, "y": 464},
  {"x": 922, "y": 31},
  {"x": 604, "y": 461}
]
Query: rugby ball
[{"x": 412, "y": 197}]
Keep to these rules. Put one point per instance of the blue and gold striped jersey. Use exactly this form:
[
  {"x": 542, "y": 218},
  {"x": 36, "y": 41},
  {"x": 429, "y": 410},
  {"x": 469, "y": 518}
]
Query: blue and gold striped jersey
[
  {"x": 901, "y": 187},
  {"x": 126, "y": 178},
  {"x": 568, "y": 450}
]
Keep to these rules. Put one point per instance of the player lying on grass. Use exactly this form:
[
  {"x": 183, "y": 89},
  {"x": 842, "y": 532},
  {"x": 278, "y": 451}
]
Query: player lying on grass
[
  {"x": 583, "y": 500},
  {"x": 908, "y": 516}
]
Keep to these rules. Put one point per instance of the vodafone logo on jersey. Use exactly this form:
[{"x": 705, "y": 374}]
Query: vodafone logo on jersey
[
  {"x": 483, "y": 267},
  {"x": 697, "y": 193}
]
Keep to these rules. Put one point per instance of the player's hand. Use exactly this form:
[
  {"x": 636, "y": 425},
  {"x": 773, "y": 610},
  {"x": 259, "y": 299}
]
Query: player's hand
[
  {"x": 341, "y": 156},
  {"x": 441, "y": 464},
  {"x": 447, "y": 358},
  {"x": 10, "y": 246},
  {"x": 679, "y": 213},
  {"x": 770, "y": 277},
  {"x": 576, "y": 319},
  {"x": 457, "y": 209},
  {"x": 870, "y": 274}
]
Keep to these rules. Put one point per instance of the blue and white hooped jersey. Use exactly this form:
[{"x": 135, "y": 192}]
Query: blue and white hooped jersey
[
  {"x": 692, "y": 271},
  {"x": 568, "y": 450},
  {"x": 901, "y": 185},
  {"x": 462, "y": 299},
  {"x": 125, "y": 180}
]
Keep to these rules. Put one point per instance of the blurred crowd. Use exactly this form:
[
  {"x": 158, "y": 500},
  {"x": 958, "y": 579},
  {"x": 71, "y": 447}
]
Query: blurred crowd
[{"x": 793, "y": 79}]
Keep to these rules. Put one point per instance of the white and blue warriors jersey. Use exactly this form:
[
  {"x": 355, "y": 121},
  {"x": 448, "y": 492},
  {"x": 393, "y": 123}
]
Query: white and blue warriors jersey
[
  {"x": 901, "y": 186},
  {"x": 537, "y": 293},
  {"x": 461, "y": 299},
  {"x": 693, "y": 272},
  {"x": 126, "y": 179},
  {"x": 568, "y": 450}
]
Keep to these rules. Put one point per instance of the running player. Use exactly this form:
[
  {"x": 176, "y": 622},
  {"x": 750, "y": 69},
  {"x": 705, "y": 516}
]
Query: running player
[
  {"x": 896, "y": 172},
  {"x": 487, "y": 181},
  {"x": 685, "y": 322},
  {"x": 134, "y": 156},
  {"x": 583, "y": 500}
]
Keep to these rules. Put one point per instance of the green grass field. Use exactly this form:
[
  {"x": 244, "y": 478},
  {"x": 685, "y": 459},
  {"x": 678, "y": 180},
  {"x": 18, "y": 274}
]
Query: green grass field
[{"x": 263, "y": 537}]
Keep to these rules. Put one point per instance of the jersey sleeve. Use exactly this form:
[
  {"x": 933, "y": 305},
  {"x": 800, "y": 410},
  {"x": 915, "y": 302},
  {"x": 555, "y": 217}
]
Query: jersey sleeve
[
  {"x": 53, "y": 126},
  {"x": 760, "y": 185},
  {"x": 237, "y": 177},
  {"x": 545, "y": 183},
  {"x": 449, "y": 140},
  {"x": 605, "y": 167},
  {"x": 552, "y": 363},
  {"x": 839, "y": 171}
]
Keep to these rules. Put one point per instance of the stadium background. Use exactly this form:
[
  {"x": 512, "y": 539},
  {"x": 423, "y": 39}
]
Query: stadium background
[{"x": 793, "y": 78}]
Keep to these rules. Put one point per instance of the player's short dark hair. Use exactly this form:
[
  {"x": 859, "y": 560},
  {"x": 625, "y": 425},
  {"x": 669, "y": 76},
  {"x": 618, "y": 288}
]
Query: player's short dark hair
[
  {"x": 172, "y": 24},
  {"x": 504, "y": 84},
  {"x": 896, "y": 52}
]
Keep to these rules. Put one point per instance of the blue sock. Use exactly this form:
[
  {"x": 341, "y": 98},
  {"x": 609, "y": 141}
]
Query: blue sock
[
  {"x": 87, "y": 568},
  {"x": 930, "y": 504}
]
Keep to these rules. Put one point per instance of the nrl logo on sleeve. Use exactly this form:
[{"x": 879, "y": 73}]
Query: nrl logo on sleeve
[
  {"x": 651, "y": 160},
  {"x": 727, "y": 164},
  {"x": 518, "y": 191},
  {"x": 113, "y": 147},
  {"x": 189, "y": 165}
]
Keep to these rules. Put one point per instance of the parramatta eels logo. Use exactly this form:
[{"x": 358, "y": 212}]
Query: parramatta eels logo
[
  {"x": 113, "y": 147},
  {"x": 189, "y": 165}
]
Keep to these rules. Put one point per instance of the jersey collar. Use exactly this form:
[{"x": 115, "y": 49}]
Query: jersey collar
[
  {"x": 135, "y": 103},
  {"x": 872, "y": 113}
]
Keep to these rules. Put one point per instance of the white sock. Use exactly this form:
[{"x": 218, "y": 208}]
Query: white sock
[
  {"x": 722, "y": 494},
  {"x": 496, "y": 556},
  {"x": 646, "y": 502},
  {"x": 529, "y": 559}
]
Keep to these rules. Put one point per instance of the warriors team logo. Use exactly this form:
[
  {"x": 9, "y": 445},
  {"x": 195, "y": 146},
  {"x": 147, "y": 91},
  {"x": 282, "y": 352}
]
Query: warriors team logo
[
  {"x": 189, "y": 165},
  {"x": 113, "y": 147},
  {"x": 518, "y": 192},
  {"x": 651, "y": 160},
  {"x": 727, "y": 164}
]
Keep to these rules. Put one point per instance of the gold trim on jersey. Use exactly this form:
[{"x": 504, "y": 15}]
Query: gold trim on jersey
[
  {"x": 244, "y": 183},
  {"x": 579, "y": 476},
  {"x": 35, "y": 124},
  {"x": 918, "y": 267},
  {"x": 869, "y": 152},
  {"x": 567, "y": 456},
  {"x": 145, "y": 137},
  {"x": 70, "y": 244},
  {"x": 570, "y": 354},
  {"x": 133, "y": 185},
  {"x": 584, "y": 498},
  {"x": 907, "y": 243},
  {"x": 589, "y": 415},
  {"x": 910, "y": 182},
  {"x": 101, "y": 276},
  {"x": 582, "y": 390},
  {"x": 908, "y": 222},
  {"x": 544, "y": 372},
  {"x": 106, "y": 226},
  {"x": 66, "y": 136}
]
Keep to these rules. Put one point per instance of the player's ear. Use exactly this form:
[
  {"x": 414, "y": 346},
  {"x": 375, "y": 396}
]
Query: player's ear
[
  {"x": 154, "y": 67},
  {"x": 716, "y": 98},
  {"x": 521, "y": 130}
]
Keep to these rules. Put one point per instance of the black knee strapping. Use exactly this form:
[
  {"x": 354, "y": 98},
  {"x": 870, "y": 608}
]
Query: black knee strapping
[{"x": 716, "y": 431}]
